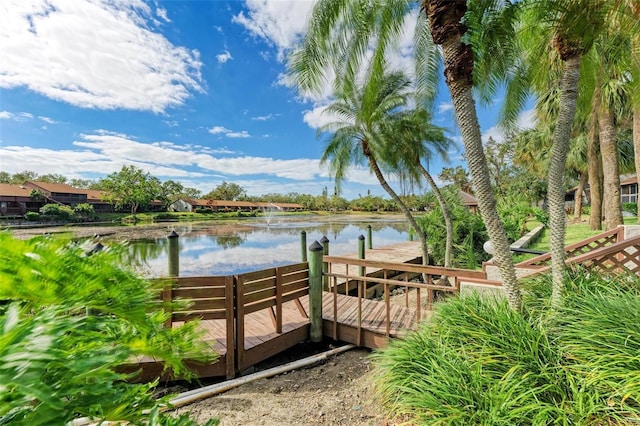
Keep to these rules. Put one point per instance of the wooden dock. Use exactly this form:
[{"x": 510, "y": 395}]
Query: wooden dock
[
  {"x": 250, "y": 317},
  {"x": 406, "y": 252}
]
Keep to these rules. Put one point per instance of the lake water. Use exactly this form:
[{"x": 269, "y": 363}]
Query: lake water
[{"x": 211, "y": 248}]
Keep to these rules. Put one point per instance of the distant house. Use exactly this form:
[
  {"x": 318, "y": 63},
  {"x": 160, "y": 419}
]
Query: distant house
[
  {"x": 628, "y": 191},
  {"x": 189, "y": 205},
  {"x": 469, "y": 201},
  {"x": 97, "y": 200},
  {"x": 16, "y": 200},
  {"x": 59, "y": 193}
]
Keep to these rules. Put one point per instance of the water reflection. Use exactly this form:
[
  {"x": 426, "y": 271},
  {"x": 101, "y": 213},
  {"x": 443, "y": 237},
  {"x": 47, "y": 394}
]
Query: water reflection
[{"x": 212, "y": 249}]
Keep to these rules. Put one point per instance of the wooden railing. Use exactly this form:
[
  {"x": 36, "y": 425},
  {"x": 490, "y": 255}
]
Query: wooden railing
[
  {"x": 232, "y": 298},
  {"x": 622, "y": 256},
  {"x": 434, "y": 279},
  {"x": 574, "y": 250}
]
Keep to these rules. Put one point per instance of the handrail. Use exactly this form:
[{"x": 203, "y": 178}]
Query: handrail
[
  {"x": 596, "y": 254},
  {"x": 406, "y": 267},
  {"x": 538, "y": 261}
]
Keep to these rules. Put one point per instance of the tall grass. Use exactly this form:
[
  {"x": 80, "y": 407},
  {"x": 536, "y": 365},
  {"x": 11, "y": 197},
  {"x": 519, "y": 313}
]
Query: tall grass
[{"x": 478, "y": 362}]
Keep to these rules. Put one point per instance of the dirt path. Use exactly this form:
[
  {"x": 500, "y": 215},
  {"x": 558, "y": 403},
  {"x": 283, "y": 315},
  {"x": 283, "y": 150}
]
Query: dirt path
[{"x": 336, "y": 392}]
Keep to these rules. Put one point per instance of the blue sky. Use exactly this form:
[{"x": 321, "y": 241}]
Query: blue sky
[{"x": 187, "y": 90}]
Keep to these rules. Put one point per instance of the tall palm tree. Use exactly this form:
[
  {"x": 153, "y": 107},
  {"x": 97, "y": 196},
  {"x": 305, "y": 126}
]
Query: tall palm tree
[
  {"x": 366, "y": 113},
  {"x": 416, "y": 140},
  {"x": 347, "y": 33},
  {"x": 447, "y": 30}
]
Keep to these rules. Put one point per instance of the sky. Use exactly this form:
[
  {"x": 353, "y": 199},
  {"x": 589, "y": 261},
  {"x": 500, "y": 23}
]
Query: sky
[{"x": 188, "y": 90}]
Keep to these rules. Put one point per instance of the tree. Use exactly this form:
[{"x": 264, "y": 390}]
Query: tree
[
  {"x": 341, "y": 32},
  {"x": 366, "y": 115},
  {"x": 169, "y": 192},
  {"x": 52, "y": 178},
  {"x": 5, "y": 177},
  {"x": 417, "y": 140},
  {"x": 447, "y": 30},
  {"x": 458, "y": 177},
  {"x": 226, "y": 191},
  {"x": 81, "y": 183},
  {"x": 130, "y": 187},
  {"x": 22, "y": 177}
]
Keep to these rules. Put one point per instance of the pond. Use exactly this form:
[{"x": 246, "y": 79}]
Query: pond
[{"x": 209, "y": 248}]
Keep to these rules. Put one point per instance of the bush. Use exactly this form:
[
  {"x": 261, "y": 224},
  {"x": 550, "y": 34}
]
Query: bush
[
  {"x": 57, "y": 361},
  {"x": 56, "y": 212},
  {"x": 478, "y": 362},
  {"x": 469, "y": 233},
  {"x": 630, "y": 207},
  {"x": 32, "y": 216},
  {"x": 84, "y": 211}
]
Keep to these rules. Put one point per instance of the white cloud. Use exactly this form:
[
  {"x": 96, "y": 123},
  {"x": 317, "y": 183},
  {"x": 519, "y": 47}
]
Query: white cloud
[
  {"x": 216, "y": 130},
  {"x": 526, "y": 120},
  {"x": 94, "y": 54},
  {"x": 162, "y": 14},
  {"x": 20, "y": 116},
  {"x": 265, "y": 117},
  {"x": 445, "y": 107},
  {"x": 224, "y": 57},
  {"x": 316, "y": 117},
  {"x": 47, "y": 119},
  {"x": 279, "y": 23},
  {"x": 241, "y": 134}
]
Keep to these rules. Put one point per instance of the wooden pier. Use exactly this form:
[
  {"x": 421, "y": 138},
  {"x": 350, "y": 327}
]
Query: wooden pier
[{"x": 250, "y": 317}]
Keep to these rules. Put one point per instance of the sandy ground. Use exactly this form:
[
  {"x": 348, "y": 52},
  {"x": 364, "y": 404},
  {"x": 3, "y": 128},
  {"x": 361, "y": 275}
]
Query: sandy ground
[{"x": 336, "y": 392}]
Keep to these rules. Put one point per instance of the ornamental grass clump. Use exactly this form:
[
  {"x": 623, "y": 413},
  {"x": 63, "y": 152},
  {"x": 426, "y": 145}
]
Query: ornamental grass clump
[
  {"x": 68, "y": 319},
  {"x": 476, "y": 361}
]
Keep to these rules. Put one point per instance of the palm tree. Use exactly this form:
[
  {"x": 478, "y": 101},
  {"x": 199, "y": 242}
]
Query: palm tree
[
  {"x": 346, "y": 33},
  {"x": 447, "y": 30},
  {"x": 415, "y": 140},
  {"x": 366, "y": 113}
]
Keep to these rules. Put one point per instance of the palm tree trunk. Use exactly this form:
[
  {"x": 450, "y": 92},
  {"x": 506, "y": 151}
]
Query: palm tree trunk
[
  {"x": 447, "y": 30},
  {"x": 577, "y": 202},
  {"x": 594, "y": 164},
  {"x": 445, "y": 213},
  {"x": 555, "y": 184},
  {"x": 611, "y": 169},
  {"x": 385, "y": 185}
]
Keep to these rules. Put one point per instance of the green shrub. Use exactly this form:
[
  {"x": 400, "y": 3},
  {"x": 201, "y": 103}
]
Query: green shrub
[
  {"x": 84, "y": 211},
  {"x": 32, "y": 216},
  {"x": 476, "y": 361},
  {"x": 57, "y": 361},
  {"x": 630, "y": 207},
  {"x": 469, "y": 233},
  {"x": 56, "y": 212}
]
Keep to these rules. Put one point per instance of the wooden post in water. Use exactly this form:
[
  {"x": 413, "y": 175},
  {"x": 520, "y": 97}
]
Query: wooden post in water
[
  {"x": 303, "y": 245},
  {"x": 361, "y": 252},
  {"x": 174, "y": 254},
  {"x": 369, "y": 240},
  {"x": 325, "y": 266},
  {"x": 315, "y": 292}
]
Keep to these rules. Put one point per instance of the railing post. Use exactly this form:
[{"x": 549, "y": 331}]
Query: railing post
[
  {"x": 303, "y": 245},
  {"x": 325, "y": 266},
  {"x": 369, "y": 240},
  {"x": 361, "y": 252},
  {"x": 315, "y": 292},
  {"x": 174, "y": 255}
]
